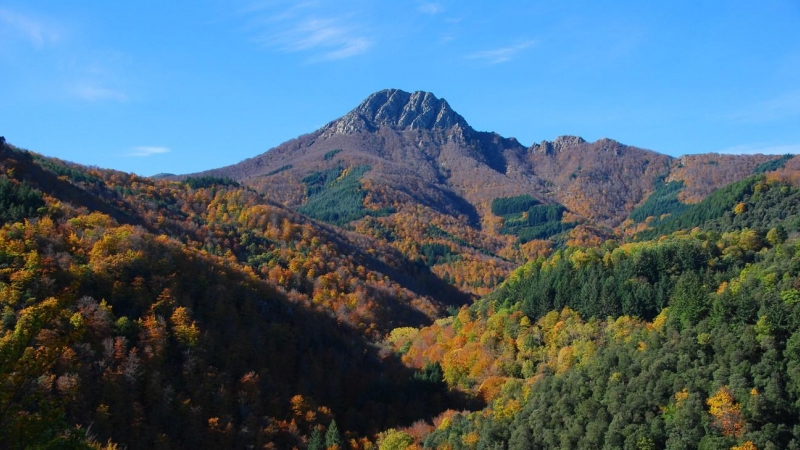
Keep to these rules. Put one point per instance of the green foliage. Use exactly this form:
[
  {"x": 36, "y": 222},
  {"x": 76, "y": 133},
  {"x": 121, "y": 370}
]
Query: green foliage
[
  {"x": 505, "y": 206},
  {"x": 436, "y": 253},
  {"x": 712, "y": 207},
  {"x": 729, "y": 328},
  {"x": 73, "y": 172},
  {"x": 332, "y": 436},
  {"x": 209, "y": 181},
  {"x": 664, "y": 200},
  {"x": 329, "y": 155},
  {"x": 430, "y": 374},
  {"x": 315, "y": 441},
  {"x": 637, "y": 281},
  {"x": 537, "y": 222},
  {"x": 336, "y": 195},
  {"x": 775, "y": 164},
  {"x": 777, "y": 235},
  {"x": 18, "y": 200},
  {"x": 278, "y": 170},
  {"x": 764, "y": 205},
  {"x": 394, "y": 440}
]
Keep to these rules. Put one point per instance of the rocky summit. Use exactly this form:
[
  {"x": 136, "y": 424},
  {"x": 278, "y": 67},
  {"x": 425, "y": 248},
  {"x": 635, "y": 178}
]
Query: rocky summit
[{"x": 399, "y": 110}]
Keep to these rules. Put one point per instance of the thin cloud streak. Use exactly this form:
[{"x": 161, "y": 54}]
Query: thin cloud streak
[
  {"x": 764, "y": 149},
  {"x": 326, "y": 37},
  {"x": 145, "y": 151},
  {"x": 500, "y": 55},
  {"x": 298, "y": 29},
  {"x": 30, "y": 29}
]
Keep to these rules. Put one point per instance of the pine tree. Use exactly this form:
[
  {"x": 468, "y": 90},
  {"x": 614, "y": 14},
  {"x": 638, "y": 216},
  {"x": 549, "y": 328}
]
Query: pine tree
[
  {"x": 315, "y": 441},
  {"x": 332, "y": 437}
]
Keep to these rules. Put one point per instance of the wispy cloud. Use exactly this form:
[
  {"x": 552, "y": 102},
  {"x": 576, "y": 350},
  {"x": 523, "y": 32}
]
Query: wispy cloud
[
  {"x": 781, "y": 107},
  {"x": 304, "y": 28},
  {"x": 500, "y": 55},
  {"x": 145, "y": 151},
  {"x": 96, "y": 93},
  {"x": 764, "y": 149},
  {"x": 28, "y": 28},
  {"x": 329, "y": 38},
  {"x": 430, "y": 8}
]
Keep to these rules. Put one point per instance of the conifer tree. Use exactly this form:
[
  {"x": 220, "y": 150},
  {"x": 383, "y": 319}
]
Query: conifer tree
[
  {"x": 332, "y": 437},
  {"x": 315, "y": 441}
]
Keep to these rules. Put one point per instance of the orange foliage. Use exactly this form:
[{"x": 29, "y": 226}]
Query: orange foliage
[{"x": 726, "y": 412}]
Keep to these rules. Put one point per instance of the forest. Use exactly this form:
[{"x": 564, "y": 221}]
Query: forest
[{"x": 200, "y": 313}]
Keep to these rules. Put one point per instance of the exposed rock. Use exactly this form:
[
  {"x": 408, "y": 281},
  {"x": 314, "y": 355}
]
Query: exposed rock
[
  {"x": 399, "y": 110},
  {"x": 559, "y": 144}
]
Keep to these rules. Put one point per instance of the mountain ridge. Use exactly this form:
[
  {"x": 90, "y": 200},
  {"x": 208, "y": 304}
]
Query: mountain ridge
[{"x": 399, "y": 162}]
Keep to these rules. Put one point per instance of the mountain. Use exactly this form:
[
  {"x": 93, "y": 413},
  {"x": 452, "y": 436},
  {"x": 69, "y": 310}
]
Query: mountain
[
  {"x": 422, "y": 151},
  {"x": 623, "y": 298},
  {"x": 408, "y": 169}
]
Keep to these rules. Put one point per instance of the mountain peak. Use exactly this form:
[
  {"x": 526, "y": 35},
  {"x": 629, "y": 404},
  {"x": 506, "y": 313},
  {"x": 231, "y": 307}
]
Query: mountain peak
[{"x": 399, "y": 110}]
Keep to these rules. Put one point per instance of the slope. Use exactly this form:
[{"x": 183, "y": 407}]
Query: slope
[
  {"x": 198, "y": 314},
  {"x": 688, "y": 340},
  {"x": 403, "y": 166}
]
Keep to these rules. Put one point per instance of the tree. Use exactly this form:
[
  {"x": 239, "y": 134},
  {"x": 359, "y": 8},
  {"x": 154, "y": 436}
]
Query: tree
[
  {"x": 394, "y": 440},
  {"x": 333, "y": 440},
  {"x": 315, "y": 441},
  {"x": 521, "y": 438},
  {"x": 726, "y": 412},
  {"x": 777, "y": 235}
]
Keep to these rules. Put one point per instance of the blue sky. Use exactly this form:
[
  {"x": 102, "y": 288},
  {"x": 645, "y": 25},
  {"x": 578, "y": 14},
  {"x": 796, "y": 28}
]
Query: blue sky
[{"x": 179, "y": 86}]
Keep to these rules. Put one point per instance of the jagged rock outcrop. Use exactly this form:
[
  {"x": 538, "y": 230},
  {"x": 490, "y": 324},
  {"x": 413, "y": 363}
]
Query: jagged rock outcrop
[
  {"x": 559, "y": 144},
  {"x": 399, "y": 110}
]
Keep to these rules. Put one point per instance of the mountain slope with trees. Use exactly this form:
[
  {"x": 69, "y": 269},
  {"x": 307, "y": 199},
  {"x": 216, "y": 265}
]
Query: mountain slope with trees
[
  {"x": 163, "y": 314},
  {"x": 356, "y": 287},
  {"x": 401, "y": 157}
]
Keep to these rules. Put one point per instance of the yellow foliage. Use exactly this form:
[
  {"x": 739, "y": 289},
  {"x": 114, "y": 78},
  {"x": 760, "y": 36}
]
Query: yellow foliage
[
  {"x": 681, "y": 396},
  {"x": 471, "y": 439},
  {"x": 660, "y": 320},
  {"x": 184, "y": 328},
  {"x": 726, "y": 412}
]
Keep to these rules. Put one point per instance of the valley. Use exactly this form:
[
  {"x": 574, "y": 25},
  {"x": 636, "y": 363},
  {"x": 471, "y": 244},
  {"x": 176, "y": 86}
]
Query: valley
[{"x": 397, "y": 279}]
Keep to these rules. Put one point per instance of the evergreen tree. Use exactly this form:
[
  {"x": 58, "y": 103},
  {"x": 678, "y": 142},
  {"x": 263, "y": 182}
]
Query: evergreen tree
[
  {"x": 332, "y": 436},
  {"x": 521, "y": 438},
  {"x": 315, "y": 441}
]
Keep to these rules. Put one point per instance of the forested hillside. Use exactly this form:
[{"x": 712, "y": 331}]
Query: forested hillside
[
  {"x": 401, "y": 166},
  {"x": 685, "y": 341},
  {"x": 163, "y": 314},
  {"x": 399, "y": 280}
]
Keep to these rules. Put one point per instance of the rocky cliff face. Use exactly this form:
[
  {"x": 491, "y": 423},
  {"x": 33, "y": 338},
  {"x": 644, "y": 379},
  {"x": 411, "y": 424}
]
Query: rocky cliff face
[{"x": 398, "y": 110}]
